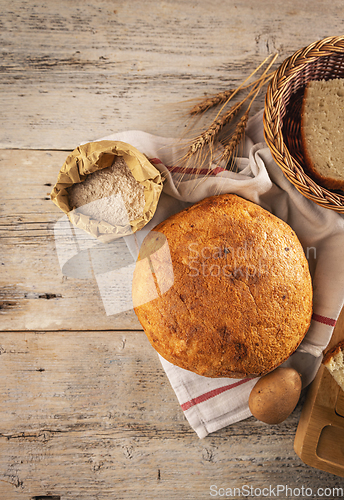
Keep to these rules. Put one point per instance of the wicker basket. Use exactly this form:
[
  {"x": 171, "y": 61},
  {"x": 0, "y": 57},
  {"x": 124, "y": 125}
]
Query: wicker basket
[{"x": 320, "y": 60}]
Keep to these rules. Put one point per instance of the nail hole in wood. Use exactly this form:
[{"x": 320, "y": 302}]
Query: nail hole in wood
[{"x": 45, "y": 497}]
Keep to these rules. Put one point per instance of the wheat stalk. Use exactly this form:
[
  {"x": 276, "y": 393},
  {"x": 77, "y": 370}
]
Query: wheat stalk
[
  {"x": 236, "y": 137},
  {"x": 241, "y": 125},
  {"x": 217, "y": 125},
  {"x": 248, "y": 78},
  {"x": 210, "y": 102},
  {"x": 220, "y": 98},
  {"x": 220, "y": 121},
  {"x": 200, "y": 151}
]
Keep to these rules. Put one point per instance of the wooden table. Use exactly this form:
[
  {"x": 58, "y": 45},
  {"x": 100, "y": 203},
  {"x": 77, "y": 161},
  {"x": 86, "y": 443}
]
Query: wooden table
[{"x": 86, "y": 410}]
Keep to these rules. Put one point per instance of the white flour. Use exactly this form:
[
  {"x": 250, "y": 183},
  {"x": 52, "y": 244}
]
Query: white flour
[{"x": 111, "y": 194}]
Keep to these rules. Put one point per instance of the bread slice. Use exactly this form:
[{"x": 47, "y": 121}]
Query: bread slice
[
  {"x": 334, "y": 362},
  {"x": 322, "y": 118}
]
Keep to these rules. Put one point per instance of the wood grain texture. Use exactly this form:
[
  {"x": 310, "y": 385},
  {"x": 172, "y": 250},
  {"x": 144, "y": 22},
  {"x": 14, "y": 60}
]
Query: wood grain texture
[
  {"x": 322, "y": 412},
  {"x": 76, "y": 71},
  {"x": 86, "y": 410},
  {"x": 91, "y": 415}
]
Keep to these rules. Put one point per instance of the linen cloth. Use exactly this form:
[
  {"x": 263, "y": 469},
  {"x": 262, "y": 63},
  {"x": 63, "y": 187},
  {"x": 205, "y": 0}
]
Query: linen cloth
[{"x": 210, "y": 404}]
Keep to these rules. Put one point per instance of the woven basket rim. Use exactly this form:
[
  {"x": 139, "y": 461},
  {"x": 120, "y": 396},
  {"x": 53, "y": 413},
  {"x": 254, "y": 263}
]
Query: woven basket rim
[{"x": 272, "y": 121}]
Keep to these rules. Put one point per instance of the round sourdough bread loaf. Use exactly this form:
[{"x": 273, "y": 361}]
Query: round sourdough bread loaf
[{"x": 223, "y": 289}]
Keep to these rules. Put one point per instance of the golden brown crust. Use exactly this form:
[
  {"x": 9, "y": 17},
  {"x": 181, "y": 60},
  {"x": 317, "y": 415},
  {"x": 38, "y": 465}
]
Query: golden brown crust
[
  {"x": 326, "y": 182},
  {"x": 333, "y": 351},
  {"x": 241, "y": 298}
]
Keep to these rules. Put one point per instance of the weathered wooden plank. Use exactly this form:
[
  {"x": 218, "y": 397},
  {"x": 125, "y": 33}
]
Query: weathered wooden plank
[
  {"x": 99, "y": 466},
  {"x": 76, "y": 71},
  {"x": 79, "y": 380},
  {"x": 34, "y": 293},
  {"x": 91, "y": 415}
]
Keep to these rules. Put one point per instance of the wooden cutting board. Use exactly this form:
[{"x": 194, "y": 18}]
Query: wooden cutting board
[{"x": 319, "y": 439}]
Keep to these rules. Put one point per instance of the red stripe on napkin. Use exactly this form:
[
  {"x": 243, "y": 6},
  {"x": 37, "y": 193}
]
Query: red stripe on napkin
[
  {"x": 211, "y": 394},
  {"x": 155, "y": 160},
  {"x": 187, "y": 170},
  {"x": 324, "y": 320}
]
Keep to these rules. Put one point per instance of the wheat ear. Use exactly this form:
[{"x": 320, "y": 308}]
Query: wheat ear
[
  {"x": 210, "y": 102},
  {"x": 214, "y": 129},
  {"x": 221, "y": 120},
  {"x": 241, "y": 126},
  {"x": 236, "y": 137}
]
